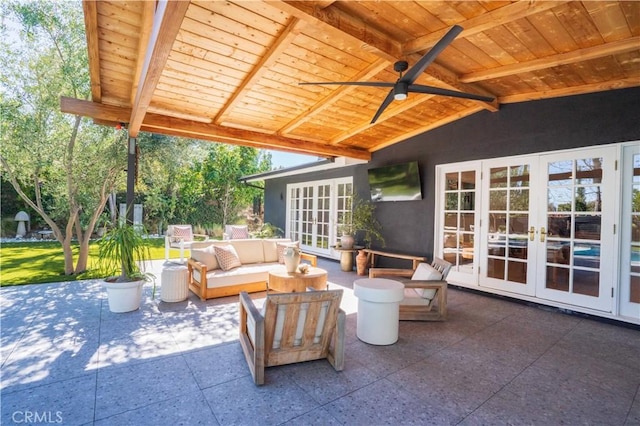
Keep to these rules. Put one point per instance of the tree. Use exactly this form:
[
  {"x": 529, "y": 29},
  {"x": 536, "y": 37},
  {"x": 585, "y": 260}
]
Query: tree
[
  {"x": 222, "y": 170},
  {"x": 62, "y": 166}
]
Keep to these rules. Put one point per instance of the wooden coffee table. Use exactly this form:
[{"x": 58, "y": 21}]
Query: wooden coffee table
[{"x": 283, "y": 281}]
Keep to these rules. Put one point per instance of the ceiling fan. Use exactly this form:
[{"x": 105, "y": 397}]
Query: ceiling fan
[{"x": 404, "y": 85}]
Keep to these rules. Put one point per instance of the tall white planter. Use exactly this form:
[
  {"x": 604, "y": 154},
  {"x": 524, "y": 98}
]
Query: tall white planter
[{"x": 124, "y": 297}]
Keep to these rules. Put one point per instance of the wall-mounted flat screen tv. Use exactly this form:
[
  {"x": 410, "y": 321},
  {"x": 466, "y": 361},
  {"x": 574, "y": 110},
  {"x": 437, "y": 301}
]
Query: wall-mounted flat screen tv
[{"x": 398, "y": 182}]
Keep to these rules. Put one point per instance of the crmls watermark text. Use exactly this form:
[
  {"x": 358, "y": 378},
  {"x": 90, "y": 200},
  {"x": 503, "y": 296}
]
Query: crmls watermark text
[{"x": 26, "y": 417}]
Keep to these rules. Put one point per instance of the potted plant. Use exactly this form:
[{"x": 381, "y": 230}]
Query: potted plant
[
  {"x": 360, "y": 221},
  {"x": 123, "y": 251}
]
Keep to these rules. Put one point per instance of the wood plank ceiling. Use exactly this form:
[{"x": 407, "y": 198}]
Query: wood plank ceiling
[{"x": 228, "y": 71}]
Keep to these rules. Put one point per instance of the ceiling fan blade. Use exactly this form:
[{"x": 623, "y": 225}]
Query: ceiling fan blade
[
  {"x": 418, "y": 68},
  {"x": 354, "y": 83},
  {"x": 430, "y": 90},
  {"x": 384, "y": 106}
]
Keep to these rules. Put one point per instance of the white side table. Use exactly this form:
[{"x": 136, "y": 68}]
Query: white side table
[
  {"x": 174, "y": 283},
  {"x": 378, "y": 310}
]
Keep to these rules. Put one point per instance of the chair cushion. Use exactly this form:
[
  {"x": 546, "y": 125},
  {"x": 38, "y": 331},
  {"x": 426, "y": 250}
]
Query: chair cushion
[
  {"x": 182, "y": 233},
  {"x": 281, "y": 246},
  {"x": 426, "y": 272},
  {"x": 239, "y": 232},
  {"x": 227, "y": 257},
  {"x": 207, "y": 256}
]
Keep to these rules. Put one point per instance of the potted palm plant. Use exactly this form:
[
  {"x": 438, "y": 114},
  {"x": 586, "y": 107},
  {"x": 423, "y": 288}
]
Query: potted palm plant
[{"x": 123, "y": 251}]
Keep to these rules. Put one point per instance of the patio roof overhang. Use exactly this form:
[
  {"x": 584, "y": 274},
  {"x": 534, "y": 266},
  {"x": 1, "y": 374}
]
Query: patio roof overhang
[{"x": 228, "y": 71}]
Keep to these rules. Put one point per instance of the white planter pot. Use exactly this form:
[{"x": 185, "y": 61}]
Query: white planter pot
[{"x": 124, "y": 297}]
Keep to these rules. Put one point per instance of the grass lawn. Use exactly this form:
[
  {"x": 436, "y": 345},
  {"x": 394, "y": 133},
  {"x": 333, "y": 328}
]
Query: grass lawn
[{"x": 43, "y": 262}]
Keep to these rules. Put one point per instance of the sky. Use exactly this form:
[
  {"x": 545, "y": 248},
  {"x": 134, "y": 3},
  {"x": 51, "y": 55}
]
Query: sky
[{"x": 285, "y": 159}]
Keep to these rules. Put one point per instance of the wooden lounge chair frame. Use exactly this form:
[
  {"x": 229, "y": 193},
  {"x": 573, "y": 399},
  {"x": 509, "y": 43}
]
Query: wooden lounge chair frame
[
  {"x": 314, "y": 344},
  {"x": 426, "y": 311}
]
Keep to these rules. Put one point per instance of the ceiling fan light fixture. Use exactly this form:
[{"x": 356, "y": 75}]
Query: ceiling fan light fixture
[{"x": 400, "y": 91}]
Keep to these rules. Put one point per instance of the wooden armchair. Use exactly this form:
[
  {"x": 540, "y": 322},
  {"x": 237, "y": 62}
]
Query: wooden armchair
[
  {"x": 290, "y": 328},
  {"x": 421, "y": 296}
]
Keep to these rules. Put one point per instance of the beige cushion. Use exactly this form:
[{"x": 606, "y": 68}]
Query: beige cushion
[
  {"x": 282, "y": 246},
  {"x": 249, "y": 250},
  {"x": 426, "y": 272},
  {"x": 207, "y": 256},
  {"x": 227, "y": 257}
]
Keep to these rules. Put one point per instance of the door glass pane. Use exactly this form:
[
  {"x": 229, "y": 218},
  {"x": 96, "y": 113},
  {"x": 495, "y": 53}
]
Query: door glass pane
[
  {"x": 499, "y": 177},
  {"x": 588, "y": 199},
  {"x": 468, "y": 180},
  {"x": 559, "y": 226},
  {"x": 451, "y": 221},
  {"x": 589, "y": 171},
  {"x": 451, "y": 181},
  {"x": 587, "y": 227},
  {"x": 559, "y": 199},
  {"x": 451, "y": 201},
  {"x": 519, "y": 200},
  {"x": 557, "y": 278},
  {"x": 498, "y": 200},
  {"x": 520, "y": 176},
  {"x": 560, "y": 173}
]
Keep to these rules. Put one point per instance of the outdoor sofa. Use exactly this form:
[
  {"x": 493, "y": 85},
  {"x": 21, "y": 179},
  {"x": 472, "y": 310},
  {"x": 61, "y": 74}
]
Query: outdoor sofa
[{"x": 225, "y": 268}]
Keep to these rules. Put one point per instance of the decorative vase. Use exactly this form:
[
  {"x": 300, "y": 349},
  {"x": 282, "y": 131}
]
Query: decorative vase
[
  {"x": 291, "y": 257},
  {"x": 124, "y": 297},
  {"x": 361, "y": 262},
  {"x": 347, "y": 241}
]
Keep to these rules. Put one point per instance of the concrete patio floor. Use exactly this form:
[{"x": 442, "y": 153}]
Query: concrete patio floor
[{"x": 67, "y": 360}]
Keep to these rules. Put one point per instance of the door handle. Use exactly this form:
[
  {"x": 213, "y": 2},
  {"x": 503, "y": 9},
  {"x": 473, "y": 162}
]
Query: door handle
[
  {"x": 532, "y": 232},
  {"x": 543, "y": 234}
]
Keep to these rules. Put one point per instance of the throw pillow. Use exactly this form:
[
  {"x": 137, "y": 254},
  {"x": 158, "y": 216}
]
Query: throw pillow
[
  {"x": 207, "y": 256},
  {"x": 182, "y": 233},
  {"x": 281, "y": 246},
  {"x": 426, "y": 272},
  {"x": 238, "y": 232},
  {"x": 227, "y": 257}
]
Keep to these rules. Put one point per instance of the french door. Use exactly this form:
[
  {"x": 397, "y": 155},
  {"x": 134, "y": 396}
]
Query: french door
[
  {"x": 630, "y": 233},
  {"x": 575, "y": 231},
  {"x": 507, "y": 247},
  {"x": 311, "y": 213},
  {"x": 536, "y": 226}
]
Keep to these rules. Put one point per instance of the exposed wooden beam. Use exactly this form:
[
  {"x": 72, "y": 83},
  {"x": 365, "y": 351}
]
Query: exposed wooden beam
[
  {"x": 372, "y": 39},
  {"x": 213, "y": 132},
  {"x": 91, "y": 30},
  {"x": 146, "y": 26},
  {"x": 167, "y": 20},
  {"x": 569, "y": 91},
  {"x": 329, "y": 100},
  {"x": 581, "y": 55},
  {"x": 95, "y": 110},
  {"x": 157, "y": 123},
  {"x": 486, "y": 21},
  {"x": 283, "y": 41}
]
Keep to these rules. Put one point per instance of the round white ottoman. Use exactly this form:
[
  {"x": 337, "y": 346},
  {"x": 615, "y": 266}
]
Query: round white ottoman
[
  {"x": 175, "y": 284},
  {"x": 378, "y": 309}
]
